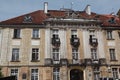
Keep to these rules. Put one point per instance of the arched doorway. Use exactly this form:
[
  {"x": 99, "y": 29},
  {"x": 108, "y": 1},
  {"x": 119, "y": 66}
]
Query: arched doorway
[{"x": 76, "y": 74}]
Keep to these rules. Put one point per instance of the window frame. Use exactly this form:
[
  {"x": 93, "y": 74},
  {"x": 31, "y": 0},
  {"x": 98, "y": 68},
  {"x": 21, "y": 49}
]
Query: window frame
[
  {"x": 75, "y": 54},
  {"x": 16, "y": 73},
  {"x": 56, "y": 73},
  {"x": 34, "y": 74},
  {"x": 115, "y": 73},
  {"x": 94, "y": 54},
  {"x": 56, "y": 54},
  {"x": 112, "y": 54},
  {"x": 15, "y": 54},
  {"x": 17, "y": 33},
  {"x": 35, "y": 33},
  {"x": 35, "y": 55},
  {"x": 110, "y": 35}
]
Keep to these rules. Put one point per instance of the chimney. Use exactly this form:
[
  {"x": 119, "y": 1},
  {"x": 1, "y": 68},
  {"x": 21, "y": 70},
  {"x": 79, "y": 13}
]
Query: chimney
[
  {"x": 88, "y": 10},
  {"x": 46, "y": 7}
]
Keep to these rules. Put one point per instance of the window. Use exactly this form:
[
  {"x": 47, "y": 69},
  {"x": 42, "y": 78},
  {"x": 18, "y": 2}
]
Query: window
[
  {"x": 56, "y": 73},
  {"x": 109, "y": 35},
  {"x": 115, "y": 73},
  {"x": 15, "y": 54},
  {"x": 75, "y": 54},
  {"x": 96, "y": 73},
  {"x": 94, "y": 53},
  {"x": 119, "y": 34},
  {"x": 34, "y": 74},
  {"x": 55, "y": 33},
  {"x": 73, "y": 33},
  {"x": 16, "y": 33},
  {"x": 35, "y": 33},
  {"x": 14, "y": 72},
  {"x": 56, "y": 54},
  {"x": 112, "y": 54},
  {"x": 27, "y": 19},
  {"x": 35, "y": 54}
]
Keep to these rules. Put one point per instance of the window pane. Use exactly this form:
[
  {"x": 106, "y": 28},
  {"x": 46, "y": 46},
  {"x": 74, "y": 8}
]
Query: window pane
[
  {"x": 56, "y": 74},
  {"x": 16, "y": 33},
  {"x": 15, "y": 54},
  {"x": 34, "y": 74},
  {"x": 94, "y": 53},
  {"x": 112, "y": 54},
  {"x": 35, "y": 33},
  {"x": 55, "y": 54},
  {"x": 109, "y": 35},
  {"x": 35, "y": 53},
  {"x": 14, "y": 72},
  {"x": 75, "y": 54}
]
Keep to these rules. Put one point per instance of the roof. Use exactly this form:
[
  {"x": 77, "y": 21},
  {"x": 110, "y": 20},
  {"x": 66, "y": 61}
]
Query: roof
[{"x": 38, "y": 17}]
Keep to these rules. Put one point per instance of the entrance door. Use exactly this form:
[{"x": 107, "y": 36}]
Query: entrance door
[{"x": 76, "y": 74}]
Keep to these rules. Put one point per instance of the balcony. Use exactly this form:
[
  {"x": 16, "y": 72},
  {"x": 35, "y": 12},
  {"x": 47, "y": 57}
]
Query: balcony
[
  {"x": 48, "y": 61},
  {"x": 63, "y": 62},
  {"x": 93, "y": 42},
  {"x": 56, "y": 41},
  {"x": 102, "y": 61},
  {"x": 75, "y": 42}
]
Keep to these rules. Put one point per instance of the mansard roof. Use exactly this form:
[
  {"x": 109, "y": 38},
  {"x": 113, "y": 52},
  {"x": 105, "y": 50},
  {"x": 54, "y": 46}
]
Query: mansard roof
[{"x": 38, "y": 17}]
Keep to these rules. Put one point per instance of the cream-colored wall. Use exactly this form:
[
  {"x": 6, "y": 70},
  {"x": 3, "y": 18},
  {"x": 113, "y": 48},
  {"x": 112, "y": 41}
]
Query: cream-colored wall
[{"x": 25, "y": 44}]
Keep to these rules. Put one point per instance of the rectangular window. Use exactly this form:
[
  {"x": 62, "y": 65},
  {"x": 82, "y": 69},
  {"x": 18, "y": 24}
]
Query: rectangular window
[
  {"x": 15, "y": 54},
  {"x": 55, "y": 54},
  {"x": 16, "y": 33},
  {"x": 96, "y": 73},
  {"x": 112, "y": 54},
  {"x": 94, "y": 53},
  {"x": 115, "y": 73},
  {"x": 34, "y": 74},
  {"x": 14, "y": 72},
  {"x": 75, "y": 53},
  {"x": 56, "y": 73},
  {"x": 35, "y": 54},
  {"x": 35, "y": 33},
  {"x": 109, "y": 35},
  {"x": 73, "y": 33},
  {"x": 55, "y": 33}
]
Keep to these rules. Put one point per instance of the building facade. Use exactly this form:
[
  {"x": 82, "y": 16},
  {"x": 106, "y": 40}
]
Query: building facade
[{"x": 61, "y": 45}]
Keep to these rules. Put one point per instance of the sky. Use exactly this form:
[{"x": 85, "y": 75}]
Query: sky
[{"x": 13, "y": 8}]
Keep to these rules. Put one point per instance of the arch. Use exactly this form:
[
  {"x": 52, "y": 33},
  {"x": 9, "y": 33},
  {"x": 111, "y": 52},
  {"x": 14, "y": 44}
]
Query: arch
[{"x": 76, "y": 74}]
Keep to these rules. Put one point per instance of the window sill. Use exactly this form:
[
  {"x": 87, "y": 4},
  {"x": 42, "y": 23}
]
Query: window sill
[
  {"x": 16, "y": 38},
  {"x": 110, "y": 39},
  {"x": 114, "y": 60},
  {"x": 36, "y": 38},
  {"x": 35, "y": 60},
  {"x": 15, "y": 61}
]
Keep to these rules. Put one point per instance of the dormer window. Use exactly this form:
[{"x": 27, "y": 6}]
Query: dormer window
[
  {"x": 112, "y": 20},
  {"x": 27, "y": 19}
]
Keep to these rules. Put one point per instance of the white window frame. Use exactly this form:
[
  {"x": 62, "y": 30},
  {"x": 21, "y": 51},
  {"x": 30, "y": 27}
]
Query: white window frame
[
  {"x": 75, "y": 54},
  {"x": 14, "y": 73},
  {"x": 115, "y": 73},
  {"x": 56, "y": 54},
  {"x": 36, "y": 53},
  {"x": 112, "y": 54},
  {"x": 94, "y": 54},
  {"x": 109, "y": 34},
  {"x": 35, "y": 74},
  {"x": 35, "y": 33},
  {"x": 56, "y": 73},
  {"x": 15, "y": 54}
]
